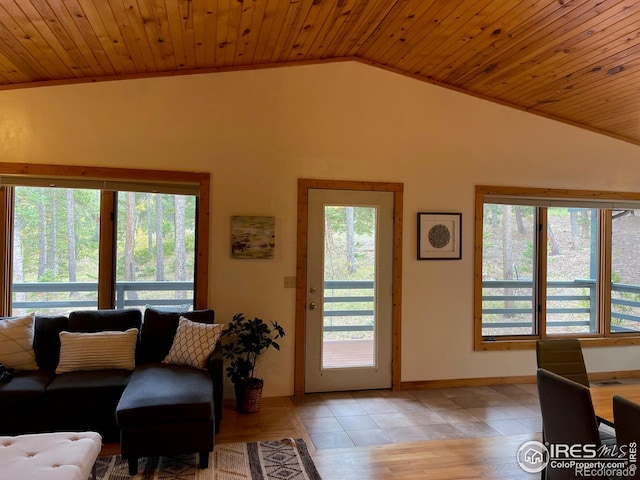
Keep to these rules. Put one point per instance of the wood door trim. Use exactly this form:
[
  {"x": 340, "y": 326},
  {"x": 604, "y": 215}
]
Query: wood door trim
[{"x": 304, "y": 185}]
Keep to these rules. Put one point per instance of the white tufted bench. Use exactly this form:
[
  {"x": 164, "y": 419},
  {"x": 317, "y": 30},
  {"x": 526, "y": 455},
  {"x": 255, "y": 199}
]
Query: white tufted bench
[{"x": 54, "y": 456}]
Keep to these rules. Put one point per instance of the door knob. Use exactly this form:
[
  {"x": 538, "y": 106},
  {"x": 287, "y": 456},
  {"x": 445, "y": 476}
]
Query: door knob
[{"x": 312, "y": 306}]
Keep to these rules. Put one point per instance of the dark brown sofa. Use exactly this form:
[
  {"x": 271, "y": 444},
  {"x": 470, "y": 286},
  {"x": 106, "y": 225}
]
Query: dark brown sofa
[{"x": 43, "y": 401}]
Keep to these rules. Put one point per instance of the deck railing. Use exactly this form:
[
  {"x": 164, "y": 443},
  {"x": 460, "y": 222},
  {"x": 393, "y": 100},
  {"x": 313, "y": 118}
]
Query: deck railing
[
  {"x": 340, "y": 304},
  {"x": 334, "y": 296},
  {"x": 623, "y": 305},
  {"x": 90, "y": 291}
]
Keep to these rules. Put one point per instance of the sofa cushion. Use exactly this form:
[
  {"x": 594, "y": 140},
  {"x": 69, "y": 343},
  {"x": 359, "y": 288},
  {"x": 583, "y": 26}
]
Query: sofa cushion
[
  {"x": 87, "y": 386},
  {"x": 46, "y": 340},
  {"x": 107, "y": 319},
  {"x": 97, "y": 350},
  {"x": 160, "y": 392},
  {"x": 24, "y": 390},
  {"x": 159, "y": 329},
  {"x": 16, "y": 343}
]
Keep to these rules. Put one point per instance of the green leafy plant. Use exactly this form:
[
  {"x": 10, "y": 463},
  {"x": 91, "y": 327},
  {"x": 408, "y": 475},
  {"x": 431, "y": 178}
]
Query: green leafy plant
[{"x": 246, "y": 341}]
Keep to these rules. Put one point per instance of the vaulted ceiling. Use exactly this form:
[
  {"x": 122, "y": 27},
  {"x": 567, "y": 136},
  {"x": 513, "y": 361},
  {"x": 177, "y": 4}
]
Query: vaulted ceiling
[{"x": 574, "y": 60}]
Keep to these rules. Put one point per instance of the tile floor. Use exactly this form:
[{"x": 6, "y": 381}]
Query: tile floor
[
  {"x": 378, "y": 417},
  {"x": 349, "y": 419}
]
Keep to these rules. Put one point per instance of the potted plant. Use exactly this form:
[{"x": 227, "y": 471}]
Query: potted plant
[{"x": 247, "y": 340}]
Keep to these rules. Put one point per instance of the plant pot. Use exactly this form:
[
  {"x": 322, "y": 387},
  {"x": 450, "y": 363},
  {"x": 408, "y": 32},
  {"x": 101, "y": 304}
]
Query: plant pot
[{"x": 248, "y": 396}]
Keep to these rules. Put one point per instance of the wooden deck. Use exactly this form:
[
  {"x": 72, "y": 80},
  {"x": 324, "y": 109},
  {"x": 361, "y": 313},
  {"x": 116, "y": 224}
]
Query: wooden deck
[{"x": 347, "y": 353}]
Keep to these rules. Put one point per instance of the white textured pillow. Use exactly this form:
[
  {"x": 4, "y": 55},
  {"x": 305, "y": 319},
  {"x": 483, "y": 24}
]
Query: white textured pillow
[
  {"x": 97, "y": 351},
  {"x": 16, "y": 343},
  {"x": 193, "y": 343}
]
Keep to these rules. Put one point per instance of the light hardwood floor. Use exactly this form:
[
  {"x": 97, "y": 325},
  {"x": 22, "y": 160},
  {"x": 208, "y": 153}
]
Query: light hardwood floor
[{"x": 491, "y": 457}]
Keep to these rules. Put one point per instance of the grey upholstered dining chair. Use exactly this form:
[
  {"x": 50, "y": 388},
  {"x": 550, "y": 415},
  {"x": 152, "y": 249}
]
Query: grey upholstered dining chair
[
  {"x": 568, "y": 417},
  {"x": 626, "y": 415},
  {"x": 563, "y": 356}
]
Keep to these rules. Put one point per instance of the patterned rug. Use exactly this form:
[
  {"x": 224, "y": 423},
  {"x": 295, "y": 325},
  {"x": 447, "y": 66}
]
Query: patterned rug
[{"x": 287, "y": 459}]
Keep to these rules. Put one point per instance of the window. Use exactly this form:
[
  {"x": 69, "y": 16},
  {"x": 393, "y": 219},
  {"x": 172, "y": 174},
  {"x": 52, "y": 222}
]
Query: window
[
  {"x": 556, "y": 263},
  {"x": 86, "y": 238}
]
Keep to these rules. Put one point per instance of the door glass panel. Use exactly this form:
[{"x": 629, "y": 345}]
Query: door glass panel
[
  {"x": 572, "y": 270},
  {"x": 349, "y": 330}
]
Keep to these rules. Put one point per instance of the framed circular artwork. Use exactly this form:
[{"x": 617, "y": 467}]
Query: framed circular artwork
[{"x": 439, "y": 236}]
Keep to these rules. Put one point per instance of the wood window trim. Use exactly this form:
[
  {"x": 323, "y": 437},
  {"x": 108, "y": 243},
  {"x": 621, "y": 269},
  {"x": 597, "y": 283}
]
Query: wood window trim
[
  {"x": 304, "y": 185},
  {"x": 105, "y": 284},
  {"x": 604, "y": 339}
]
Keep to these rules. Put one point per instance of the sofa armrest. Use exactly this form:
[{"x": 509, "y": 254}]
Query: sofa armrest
[{"x": 215, "y": 365}]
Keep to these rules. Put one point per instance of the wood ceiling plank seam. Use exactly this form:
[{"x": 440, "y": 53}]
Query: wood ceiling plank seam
[
  {"x": 352, "y": 18},
  {"x": 85, "y": 41},
  {"x": 247, "y": 36},
  {"x": 291, "y": 14},
  {"x": 461, "y": 50},
  {"x": 108, "y": 31},
  {"x": 339, "y": 29},
  {"x": 185, "y": 9},
  {"x": 414, "y": 29},
  {"x": 222, "y": 30},
  {"x": 151, "y": 28},
  {"x": 49, "y": 33},
  {"x": 334, "y": 21},
  {"x": 624, "y": 94},
  {"x": 10, "y": 70},
  {"x": 253, "y": 36},
  {"x": 485, "y": 40},
  {"x": 174, "y": 22},
  {"x": 444, "y": 40},
  {"x": 85, "y": 29},
  {"x": 161, "y": 17},
  {"x": 590, "y": 52},
  {"x": 267, "y": 36},
  {"x": 599, "y": 78},
  {"x": 243, "y": 33},
  {"x": 386, "y": 36},
  {"x": 572, "y": 50},
  {"x": 385, "y": 26},
  {"x": 376, "y": 14},
  {"x": 137, "y": 22},
  {"x": 604, "y": 102},
  {"x": 20, "y": 58},
  {"x": 561, "y": 28},
  {"x": 313, "y": 22},
  {"x": 625, "y": 100},
  {"x": 602, "y": 109},
  {"x": 233, "y": 32},
  {"x": 199, "y": 11},
  {"x": 210, "y": 33},
  {"x": 82, "y": 53},
  {"x": 623, "y": 124},
  {"x": 125, "y": 35},
  {"x": 12, "y": 17},
  {"x": 511, "y": 40}
]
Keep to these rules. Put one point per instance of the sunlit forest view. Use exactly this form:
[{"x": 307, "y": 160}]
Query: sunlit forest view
[{"x": 56, "y": 246}]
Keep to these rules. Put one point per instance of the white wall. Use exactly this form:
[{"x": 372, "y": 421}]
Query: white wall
[{"x": 257, "y": 132}]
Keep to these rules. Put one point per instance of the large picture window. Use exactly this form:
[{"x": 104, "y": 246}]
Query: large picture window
[
  {"x": 87, "y": 238},
  {"x": 556, "y": 263}
]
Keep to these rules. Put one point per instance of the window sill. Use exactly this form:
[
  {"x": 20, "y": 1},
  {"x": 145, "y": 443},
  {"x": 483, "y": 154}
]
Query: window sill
[{"x": 530, "y": 344}]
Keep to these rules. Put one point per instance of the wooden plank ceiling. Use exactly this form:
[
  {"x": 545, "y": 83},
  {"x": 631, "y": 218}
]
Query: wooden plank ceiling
[{"x": 573, "y": 60}]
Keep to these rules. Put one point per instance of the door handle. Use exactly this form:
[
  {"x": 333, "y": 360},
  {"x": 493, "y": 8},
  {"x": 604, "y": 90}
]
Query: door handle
[{"x": 312, "y": 306}]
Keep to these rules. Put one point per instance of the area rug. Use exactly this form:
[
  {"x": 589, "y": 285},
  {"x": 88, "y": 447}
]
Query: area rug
[{"x": 286, "y": 459}]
